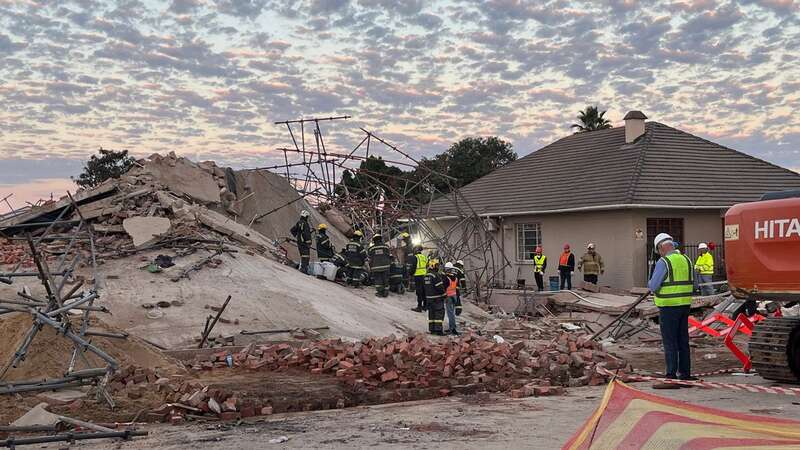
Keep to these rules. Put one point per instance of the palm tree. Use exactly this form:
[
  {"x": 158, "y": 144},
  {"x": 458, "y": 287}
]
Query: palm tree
[{"x": 591, "y": 120}]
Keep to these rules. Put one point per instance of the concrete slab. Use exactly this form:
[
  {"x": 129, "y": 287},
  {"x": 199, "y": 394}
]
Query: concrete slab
[
  {"x": 38, "y": 415},
  {"x": 144, "y": 230},
  {"x": 181, "y": 175},
  {"x": 61, "y": 397}
]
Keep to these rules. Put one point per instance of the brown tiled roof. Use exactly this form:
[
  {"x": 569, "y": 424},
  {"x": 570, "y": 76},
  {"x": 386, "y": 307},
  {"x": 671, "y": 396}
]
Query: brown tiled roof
[{"x": 664, "y": 167}]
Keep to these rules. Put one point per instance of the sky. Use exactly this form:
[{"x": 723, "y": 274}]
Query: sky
[{"x": 207, "y": 78}]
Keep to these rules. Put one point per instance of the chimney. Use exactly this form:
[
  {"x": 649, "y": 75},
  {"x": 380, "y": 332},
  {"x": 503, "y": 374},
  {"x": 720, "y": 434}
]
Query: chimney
[{"x": 634, "y": 125}]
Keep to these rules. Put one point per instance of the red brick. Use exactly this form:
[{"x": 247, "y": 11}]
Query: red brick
[
  {"x": 229, "y": 415},
  {"x": 248, "y": 412},
  {"x": 266, "y": 411},
  {"x": 389, "y": 376}
]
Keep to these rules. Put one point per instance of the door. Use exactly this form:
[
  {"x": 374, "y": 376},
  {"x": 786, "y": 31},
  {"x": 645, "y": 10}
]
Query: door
[{"x": 670, "y": 225}]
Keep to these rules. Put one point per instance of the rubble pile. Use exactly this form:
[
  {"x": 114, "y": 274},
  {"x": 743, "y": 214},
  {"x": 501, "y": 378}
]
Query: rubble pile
[{"x": 12, "y": 252}]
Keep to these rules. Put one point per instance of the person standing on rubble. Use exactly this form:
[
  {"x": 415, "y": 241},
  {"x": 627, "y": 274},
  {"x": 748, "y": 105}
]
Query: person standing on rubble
[
  {"x": 408, "y": 260},
  {"x": 672, "y": 283},
  {"x": 325, "y": 250},
  {"x": 462, "y": 284},
  {"x": 379, "y": 263},
  {"x": 451, "y": 296},
  {"x": 705, "y": 269},
  {"x": 566, "y": 265},
  {"x": 420, "y": 270},
  {"x": 355, "y": 257},
  {"x": 302, "y": 234},
  {"x": 539, "y": 266},
  {"x": 591, "y": 264},
  {"x": 434, "y": 297}
]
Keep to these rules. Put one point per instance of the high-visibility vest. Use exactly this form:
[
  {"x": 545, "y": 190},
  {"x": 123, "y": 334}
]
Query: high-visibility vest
[
  {"x": 538, "y": 261},
  {"x": 677, "y": 288},
  {"x": 422, "y": 265},
  {"x": 705, "y": 264},
  {"x": 452, "y": 287}
]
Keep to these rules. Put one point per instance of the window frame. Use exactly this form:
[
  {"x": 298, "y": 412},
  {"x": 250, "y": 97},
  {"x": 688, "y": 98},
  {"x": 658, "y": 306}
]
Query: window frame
[{"x": 519, "y": 233}]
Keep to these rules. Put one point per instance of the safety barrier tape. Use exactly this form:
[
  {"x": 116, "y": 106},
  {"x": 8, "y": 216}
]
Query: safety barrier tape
[
  {"x": 703, "y": 374},
  {"x": 708, "y": 384}
]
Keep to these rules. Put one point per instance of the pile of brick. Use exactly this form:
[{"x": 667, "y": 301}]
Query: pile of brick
[
  {"x": 14, "y": 252},
  {"x": 416, "y": 362}
]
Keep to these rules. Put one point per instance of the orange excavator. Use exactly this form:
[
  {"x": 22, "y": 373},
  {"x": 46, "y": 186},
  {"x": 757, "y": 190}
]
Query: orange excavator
[{"x": 762, "y": 260}]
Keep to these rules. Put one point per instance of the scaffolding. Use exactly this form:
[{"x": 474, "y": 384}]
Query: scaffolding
[{"x": 390, "y": 204}]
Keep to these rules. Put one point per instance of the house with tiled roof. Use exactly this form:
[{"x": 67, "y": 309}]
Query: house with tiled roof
[{"x": 617, "y": 188}]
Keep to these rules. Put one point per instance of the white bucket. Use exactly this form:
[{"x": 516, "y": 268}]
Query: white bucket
[
  {"x": 329, "y": 270},
  {"x": 315, "y": 268}
]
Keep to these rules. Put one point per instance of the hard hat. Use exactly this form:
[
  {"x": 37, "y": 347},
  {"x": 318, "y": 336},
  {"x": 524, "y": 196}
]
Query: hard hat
[
  {"x": 566, "y": 246},
  {"x": 661, "y": 237},
  {"x": 702, "y": 245},
  {"x": 449, "y": 265},
  {"x": 460, "y": 262},
  {"x": 405, "y": 235},
  {"x": 590, "y": 245},
  {"x": 322, "y": 226},
  {"x": 304, "y": 213},
  {"x": 434, "y": 263},
  {"x": 358, "y": 233},
  {"x": 538, "y": 249},
  {"x": 376, "y": 236},
  {"x": 418, "y": 248}
]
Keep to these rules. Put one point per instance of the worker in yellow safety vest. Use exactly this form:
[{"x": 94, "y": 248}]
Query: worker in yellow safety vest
[
  {"x": 673, "y": 282},
  {"x": 420, "y": 270},
  {"x": 705, "y": 269},
  {"x": 539, "y": 266}
]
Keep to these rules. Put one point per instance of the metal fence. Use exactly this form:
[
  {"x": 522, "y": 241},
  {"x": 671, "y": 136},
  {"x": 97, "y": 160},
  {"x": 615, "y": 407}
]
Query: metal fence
[{"x": 692, "y": 252}]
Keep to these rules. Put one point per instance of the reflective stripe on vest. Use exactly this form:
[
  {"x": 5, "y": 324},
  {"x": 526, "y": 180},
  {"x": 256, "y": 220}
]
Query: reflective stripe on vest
[
  {"x": 422, "y": 265},
  {"x": 677, "y": 288},
  {"x": 539, "y": 260},
  {"x": 705, "y": 264}
]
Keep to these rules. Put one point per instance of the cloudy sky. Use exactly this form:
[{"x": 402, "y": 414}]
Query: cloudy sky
[{"x": 206, "y": 78}]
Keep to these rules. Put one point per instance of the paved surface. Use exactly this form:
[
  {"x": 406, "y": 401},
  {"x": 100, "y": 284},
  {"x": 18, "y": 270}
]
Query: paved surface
[{"x": 495, "y": 422}]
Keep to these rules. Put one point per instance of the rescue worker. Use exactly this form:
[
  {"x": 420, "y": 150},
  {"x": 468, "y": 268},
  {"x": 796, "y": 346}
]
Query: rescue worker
[
  {"x": 380, "y": 259},
  {"x": 566, "y": 266},
  {"x": 408, "y": 260},
  {"x": 302, "y": 234},
  {"x": 672, "y": 283},
  {"x": 462, "y": 284},
  {"x": 420, "y": 270},
  {"x": 434, "y": 297},
  {"x": 591, "y": 264},
  {"x": 355, "y": 256},
  {"x": 451, "y": 296},
  {"x": 705, "y": 269},
  {"x": 397, "y": 277},
  {"x": 325, "y": 250},
  {"x": 539, "y": 266}
]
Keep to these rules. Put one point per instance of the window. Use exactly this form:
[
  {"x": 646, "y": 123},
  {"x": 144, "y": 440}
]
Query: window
[{"x": 529, "y": 236}]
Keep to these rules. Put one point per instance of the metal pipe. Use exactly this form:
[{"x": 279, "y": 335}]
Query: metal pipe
[
  {"x": 72, "y": 305},
  {"x": 12, "y": 442},
  {"x": 63, "y": 329},
  {"x": 214, "y": 322},
  {"x": 81, "y": 423}
]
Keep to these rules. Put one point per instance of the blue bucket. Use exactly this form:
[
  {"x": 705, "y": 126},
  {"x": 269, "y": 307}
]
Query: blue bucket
[{"x": 554, "y": 283}]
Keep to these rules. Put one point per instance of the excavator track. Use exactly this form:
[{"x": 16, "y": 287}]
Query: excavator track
[{"x": 774, "y": 349}]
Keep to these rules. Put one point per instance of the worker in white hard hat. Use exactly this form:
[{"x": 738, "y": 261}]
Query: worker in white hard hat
[
  {"x": 302, "y": 234},
  {"x": 450, "y": 297},
  {"x": 672, "y": 283},
  {"x": 462, "y": 284},
  {"x": 591, "y": 264},
  {"x": 705, "y": 269}
]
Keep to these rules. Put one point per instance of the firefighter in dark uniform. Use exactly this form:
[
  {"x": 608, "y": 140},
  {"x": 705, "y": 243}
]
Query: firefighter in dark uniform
[
  {"x": 409, "y": 262},
  {"x": 355, "y": 257},
  {"x": 458, "y": 267},
  {"x": 380, "y": 258},
  {"x": 434, "y": 296},
  {"x": 302, "y": 233},
  {"x": 397, "y": 277},
  {"x": 325, "y": 250},
  {"x": 420, "y": 270}
]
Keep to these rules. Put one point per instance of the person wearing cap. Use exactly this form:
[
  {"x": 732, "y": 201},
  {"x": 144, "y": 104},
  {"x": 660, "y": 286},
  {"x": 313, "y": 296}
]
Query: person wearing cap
[
  {"x": 420, "y": 270},
  {"x": 539, "y": 266},
  {"x": 672, "y": 283},
  {"x": 705, "y": 269},
  {"x": 434, "y": 283},
  {"x": 566, "y": 265},
  {"x": 408, "y": 260},
  {"x": 325, "y": 250},
  {"x": 380, "y": 259},
  {"x": 355, "y": 257},
  {"x": 591, "y": 264},
  {"x": 451, "y": 296},
  {"x": 302, "y": 234},
  {"x": 458, "y": 266}
]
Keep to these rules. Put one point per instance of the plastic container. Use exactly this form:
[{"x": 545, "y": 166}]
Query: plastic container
[{"x": 329, "y": 270}]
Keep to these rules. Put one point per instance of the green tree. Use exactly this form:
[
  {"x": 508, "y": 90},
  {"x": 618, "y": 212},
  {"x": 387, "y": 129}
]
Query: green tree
[
  {"x": 591, "y": 120},
  {"x": 471, "y": 158},
  {"x": 109, "y": 164}
]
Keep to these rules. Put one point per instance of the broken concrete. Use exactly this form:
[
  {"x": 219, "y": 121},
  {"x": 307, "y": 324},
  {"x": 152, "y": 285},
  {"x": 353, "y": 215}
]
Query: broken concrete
[
  {"x": 145, "y": 230},
  {"x": 37, "y": 416},
  {"x": 183, "y": 176}
]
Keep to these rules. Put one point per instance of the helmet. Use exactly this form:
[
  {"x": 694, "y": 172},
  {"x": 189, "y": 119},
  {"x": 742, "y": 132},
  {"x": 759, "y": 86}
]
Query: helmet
[
  {"x": 590, "y": 245},
  {"x": 358, "y": 233},
  {"x": 322, "y": 226},
  {"x": 448, "y": 265},
  {"x": 376, "y": 237},
  {"x": 433, "y": 264},
  {"x": 405, "y": 235},
  {"x": 702, "y": 245},
  {"x": 566, "y": 246},
  {"x": 538, "y": 249},
  {"x": 661, "y": 238},
  {"x": 418, "y": 249},
  {"x": 304, "y": 213},
  {"x": 460, "y": 262}
]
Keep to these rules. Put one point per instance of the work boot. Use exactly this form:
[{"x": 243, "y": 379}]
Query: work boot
[
  {"x": 689, "y": 378},
  {"x": 455, "y": 333},
  {"x": 416, "y": 309}
]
